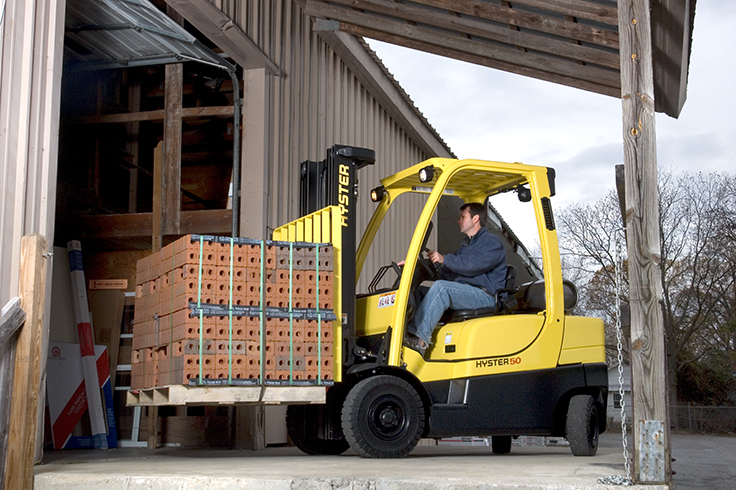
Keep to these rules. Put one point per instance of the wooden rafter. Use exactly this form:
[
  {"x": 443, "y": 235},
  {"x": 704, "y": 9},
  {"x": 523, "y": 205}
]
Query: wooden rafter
[
  {"x": 481, "y": 28},
  {"x": 525, "y": 20},
  {"x": 571, "y": 42},
  {"x": 479, "y": 40},
  {"x": 208, "y": 221},
  {"x": 156, "y": 115}
]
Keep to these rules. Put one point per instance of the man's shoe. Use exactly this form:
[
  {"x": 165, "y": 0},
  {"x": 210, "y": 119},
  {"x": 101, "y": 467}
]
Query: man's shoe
[{"x": 415, "y": 343}]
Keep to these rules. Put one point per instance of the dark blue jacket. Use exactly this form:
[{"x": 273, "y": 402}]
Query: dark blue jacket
[{"x": 480, "y": 261}]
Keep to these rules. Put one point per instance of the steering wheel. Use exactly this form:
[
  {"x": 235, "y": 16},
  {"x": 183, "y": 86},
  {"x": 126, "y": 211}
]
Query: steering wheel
[{"x": 428, "y": 269}]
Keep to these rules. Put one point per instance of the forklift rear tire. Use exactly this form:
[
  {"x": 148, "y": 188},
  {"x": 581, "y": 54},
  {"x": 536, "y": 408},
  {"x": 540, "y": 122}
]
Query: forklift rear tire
[
  {"x": 383, "y": 417},
  {"x": 582, "y": 425},
  {"x": 501, "y": 444},
  {"x": 304, "y": 425}
]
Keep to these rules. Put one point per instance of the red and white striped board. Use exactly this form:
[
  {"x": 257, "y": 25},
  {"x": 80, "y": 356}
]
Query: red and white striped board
[{"x": 86, "y": 345}]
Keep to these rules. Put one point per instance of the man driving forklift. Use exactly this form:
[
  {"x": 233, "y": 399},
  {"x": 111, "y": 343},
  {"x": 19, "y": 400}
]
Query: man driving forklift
[{"x": 468, "y": 278}]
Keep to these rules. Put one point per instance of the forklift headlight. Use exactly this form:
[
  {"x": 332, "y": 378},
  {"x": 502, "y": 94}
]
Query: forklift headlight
[
  {"x": 378, "y": 193},
  {"x": 426, "y": 174}
]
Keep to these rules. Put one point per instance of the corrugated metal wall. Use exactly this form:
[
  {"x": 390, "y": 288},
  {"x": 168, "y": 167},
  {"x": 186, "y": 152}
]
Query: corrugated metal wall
[
  {"x": 31, "y": 44},
  {"x": 318, "y": 102}
]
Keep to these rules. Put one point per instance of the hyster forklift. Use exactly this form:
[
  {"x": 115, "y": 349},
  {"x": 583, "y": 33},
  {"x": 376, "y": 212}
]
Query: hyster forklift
[{"x": 524, "y": 368}]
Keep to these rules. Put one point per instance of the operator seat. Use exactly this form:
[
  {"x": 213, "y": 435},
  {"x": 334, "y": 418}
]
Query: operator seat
[
  {"x": 527, "y": 298},
  {"x": 451, "y": 315}
]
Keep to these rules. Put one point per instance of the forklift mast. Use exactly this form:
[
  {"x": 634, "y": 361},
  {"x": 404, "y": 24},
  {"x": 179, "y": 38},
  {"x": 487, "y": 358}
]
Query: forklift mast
[{"x": 334, "y": 182}]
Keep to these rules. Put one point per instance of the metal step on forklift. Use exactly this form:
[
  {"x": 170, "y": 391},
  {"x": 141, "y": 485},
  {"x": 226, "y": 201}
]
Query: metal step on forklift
[{"x": 527, "y": 367}]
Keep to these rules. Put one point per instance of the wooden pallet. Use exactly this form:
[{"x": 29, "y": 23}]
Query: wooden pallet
[{"x": 226, "y": 395}]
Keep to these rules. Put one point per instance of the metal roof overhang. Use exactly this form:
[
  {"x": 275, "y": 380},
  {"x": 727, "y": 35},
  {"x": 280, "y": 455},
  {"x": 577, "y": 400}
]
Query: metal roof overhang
[
  {"x": 102, "y": 34},
  {"x": 570, "y": 42}
]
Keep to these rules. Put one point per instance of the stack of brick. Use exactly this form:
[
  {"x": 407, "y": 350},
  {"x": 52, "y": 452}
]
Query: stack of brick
[{"x": 272, "y": 324}]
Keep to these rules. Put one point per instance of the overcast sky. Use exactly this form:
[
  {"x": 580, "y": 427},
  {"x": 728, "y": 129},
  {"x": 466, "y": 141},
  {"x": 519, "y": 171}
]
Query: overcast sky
[{"x": 493, "y": 115}]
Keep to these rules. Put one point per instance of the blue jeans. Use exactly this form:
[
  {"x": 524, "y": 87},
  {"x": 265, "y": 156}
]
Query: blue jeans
[{"x": 443, "y": 295}]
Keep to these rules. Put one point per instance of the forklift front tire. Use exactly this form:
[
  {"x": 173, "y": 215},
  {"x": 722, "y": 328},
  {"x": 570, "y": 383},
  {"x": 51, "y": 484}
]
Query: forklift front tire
[
  {"x": 383, "y": 417},
  {"x": 582, "y": 425}
]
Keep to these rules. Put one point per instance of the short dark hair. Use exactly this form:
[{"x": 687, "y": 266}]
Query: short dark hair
[{"x": 476, "y": 209}]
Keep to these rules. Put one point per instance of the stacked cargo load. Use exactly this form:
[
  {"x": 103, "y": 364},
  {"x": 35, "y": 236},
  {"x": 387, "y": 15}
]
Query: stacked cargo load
[{"x": 234, "y": 311}]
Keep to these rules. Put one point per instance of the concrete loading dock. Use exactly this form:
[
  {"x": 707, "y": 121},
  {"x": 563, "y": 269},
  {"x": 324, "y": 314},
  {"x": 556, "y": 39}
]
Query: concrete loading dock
[
  {"x": 427, "y": 467},
  {"x": 702, "y": 462}
]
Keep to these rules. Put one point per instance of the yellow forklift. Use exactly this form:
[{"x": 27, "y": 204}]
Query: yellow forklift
[{"x": 526, "y": 367}]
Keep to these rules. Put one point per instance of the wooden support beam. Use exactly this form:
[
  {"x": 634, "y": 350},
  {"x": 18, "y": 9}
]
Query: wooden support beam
[
  {"x": 567, "y": 71},
  {"x": 515, "y": 60},
  {"x": 133, "y": 143},
  {"x": 156, "y": 216},
  {"x": 607, "y": 83},
  {"x": 648, "y": 356},
  {"x": 480, "y": 28},
  {"x": 152, "y": 442},
  {"x": 157, "y": 115},
  {"x": 171, "y": 167},
  {"x": 208, "y": 221},
  {"x": 28, "y": 361},
  {"x": 583, "y": 9},
  {"x": 11, "y": 320},
  {"x": 672, "y": 24}
]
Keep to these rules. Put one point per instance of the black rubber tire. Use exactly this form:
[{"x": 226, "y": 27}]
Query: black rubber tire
[
  {"x": 383, "y": 417},
  {"x": 582, "y": 425},
  {"x": 501, "y": 444},
  {"x": 303, "y": 423}
]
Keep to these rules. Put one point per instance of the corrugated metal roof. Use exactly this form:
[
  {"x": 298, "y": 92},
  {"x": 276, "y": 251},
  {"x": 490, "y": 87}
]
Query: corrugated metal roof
[{"x": 104, "y": 34}]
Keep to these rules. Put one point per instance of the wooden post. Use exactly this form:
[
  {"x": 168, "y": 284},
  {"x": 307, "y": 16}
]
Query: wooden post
[
  {"x": 27, "y": 379},
  {"x": 167, "y": 186},
  {"x": 152, "y": 427},
  {"x": 171, "y": 183},
  {"x": 156, "y": 214},
  {"x": 11, "y": 320},
  {"x": 648, "y": 356}
]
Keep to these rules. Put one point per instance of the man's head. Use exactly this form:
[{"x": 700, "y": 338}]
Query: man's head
[{"x": 472, "y": 218}]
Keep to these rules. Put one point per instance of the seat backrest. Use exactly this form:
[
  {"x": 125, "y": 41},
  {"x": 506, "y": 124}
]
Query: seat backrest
[{"x": 531, "y": 296}]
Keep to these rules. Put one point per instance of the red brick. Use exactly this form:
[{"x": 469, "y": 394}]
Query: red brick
[
  {"x": 223, "y": 327},
  {"x": 253, "y": 255},
  {"x": 222, "y": 365},
  {"x": 191, "y": 347},
  {"x": 224, "y": 255}
]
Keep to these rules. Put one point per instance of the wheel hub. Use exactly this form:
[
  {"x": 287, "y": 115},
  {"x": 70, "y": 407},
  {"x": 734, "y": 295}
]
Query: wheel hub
[{"x": 387, "y": 419}]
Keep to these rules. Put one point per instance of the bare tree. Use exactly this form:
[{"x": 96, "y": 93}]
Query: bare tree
[
  {"x": 698, "y": 264},
  {"x": 588, "y": 239}
]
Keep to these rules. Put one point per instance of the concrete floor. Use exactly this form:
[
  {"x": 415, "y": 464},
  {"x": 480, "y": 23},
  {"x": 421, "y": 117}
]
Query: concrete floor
[{"x": 427, "y": 467}]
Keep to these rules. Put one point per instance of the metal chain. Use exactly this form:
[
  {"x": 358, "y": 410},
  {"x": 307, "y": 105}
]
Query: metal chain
[{"x": 620, "y": 480}]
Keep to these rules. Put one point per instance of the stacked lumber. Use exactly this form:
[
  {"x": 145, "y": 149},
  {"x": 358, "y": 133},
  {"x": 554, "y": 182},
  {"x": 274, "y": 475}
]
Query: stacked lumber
[{"x": 215, "y": 310}]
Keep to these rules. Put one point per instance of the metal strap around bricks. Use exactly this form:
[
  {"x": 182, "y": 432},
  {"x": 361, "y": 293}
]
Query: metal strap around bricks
[
  {"x": 262, "y": 338},
  {"x": 230, "y": 317},
  {"x": 171, "y": 315},
  {"x": 319, "y": 319},
  {"x": 291, "y": 313},
  {"x": 199, "y": 305}
]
